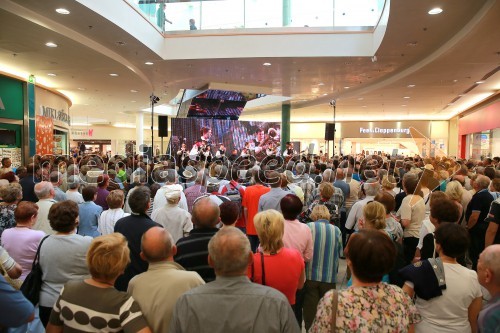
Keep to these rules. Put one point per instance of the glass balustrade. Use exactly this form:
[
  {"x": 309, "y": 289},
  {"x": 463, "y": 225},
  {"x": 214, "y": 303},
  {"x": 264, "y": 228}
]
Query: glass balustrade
[{"x": 173, "y": 16}]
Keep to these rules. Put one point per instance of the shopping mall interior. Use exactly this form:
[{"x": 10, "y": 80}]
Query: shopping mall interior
[{"x": 411, "y": 77}]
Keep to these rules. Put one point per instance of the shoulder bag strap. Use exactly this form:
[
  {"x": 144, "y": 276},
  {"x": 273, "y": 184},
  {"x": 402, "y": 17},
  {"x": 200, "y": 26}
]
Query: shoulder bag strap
[
  {"x": 263, "y": 271},
  {"x": 335, "y": 303},
  {"x": 37, "y": 255}
]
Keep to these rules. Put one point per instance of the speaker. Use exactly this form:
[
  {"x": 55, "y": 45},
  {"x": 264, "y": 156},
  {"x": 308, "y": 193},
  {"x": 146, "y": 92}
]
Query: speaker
[
  {"x": 163, "y": 126},
  {"x": 329, "y": 131}
]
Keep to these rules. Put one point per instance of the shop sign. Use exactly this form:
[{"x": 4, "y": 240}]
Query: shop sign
[
  {"x": 83, "y": 133},
  {"x": 59, "y": 115},
  {"x": 384, "y": 130}
]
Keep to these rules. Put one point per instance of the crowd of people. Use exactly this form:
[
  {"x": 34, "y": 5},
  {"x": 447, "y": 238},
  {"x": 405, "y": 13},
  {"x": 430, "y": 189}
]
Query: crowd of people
[{"x": 138, "y": 244}]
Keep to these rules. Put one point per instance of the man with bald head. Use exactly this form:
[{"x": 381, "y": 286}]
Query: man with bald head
[
  {"x": 192, "y": 250},
  {"x": 157, "y": 290},
  {"x": 232, "y": 303},
  {"x": 488, "y": 274},
  {"x": 476, "y": 213}
]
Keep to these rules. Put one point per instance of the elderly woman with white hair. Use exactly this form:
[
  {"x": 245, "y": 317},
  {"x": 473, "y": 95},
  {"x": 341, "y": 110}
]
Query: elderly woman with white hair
[{"x": 371, "y": 188}]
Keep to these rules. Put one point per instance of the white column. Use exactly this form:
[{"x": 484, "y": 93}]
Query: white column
[{"x": 139, "y": 131}]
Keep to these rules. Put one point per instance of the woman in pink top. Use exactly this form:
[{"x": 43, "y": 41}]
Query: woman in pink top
[
  {"x": 21, "y": 241},
  {"x": 273, "y": 264}
]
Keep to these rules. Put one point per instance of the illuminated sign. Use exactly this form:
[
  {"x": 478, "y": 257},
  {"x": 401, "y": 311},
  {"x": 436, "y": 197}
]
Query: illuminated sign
[{"x": 384, "y": 130}]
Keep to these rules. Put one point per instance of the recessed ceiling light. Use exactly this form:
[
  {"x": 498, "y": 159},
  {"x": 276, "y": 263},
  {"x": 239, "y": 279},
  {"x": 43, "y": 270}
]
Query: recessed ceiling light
[
  {"x": 148, "y": 63},
  {"x": 325, "y": 94},
  {"x": 346, "y": 87},
  {"x": 321, "y": 84},
  {"x": 63, "y": 11},
  {"x": 50, "y": 44},
  {"x": 133, "y": 91},
  {"x": 406, "y": 97},
  {"x": 51, "y": 74},
  {"x": 132, "y": 101},
  {"x": 411, "y": 86},
  {"x": 364, "y": 106},
  {"x": 113, "y": 74},
  {"x": 435, "y": 11},
  {"x": 403, "y": 104},
  {"x": 266, "y": 64},
  {"x": 480, "y": 82},
  {"x": 361, "y": 98},
  {"x": 81, "y": 88},
  {"x": 461, "y": 95}
]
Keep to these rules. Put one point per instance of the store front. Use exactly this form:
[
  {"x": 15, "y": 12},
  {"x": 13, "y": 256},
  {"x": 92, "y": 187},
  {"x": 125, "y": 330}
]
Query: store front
[
  {"x": 11, "y": 119},
  {"x": 479, "y": 133},
  {"x": 51, "y": 123}
]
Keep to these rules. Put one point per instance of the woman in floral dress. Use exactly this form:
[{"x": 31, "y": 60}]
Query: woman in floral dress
[{"x": 369, "y": 305}]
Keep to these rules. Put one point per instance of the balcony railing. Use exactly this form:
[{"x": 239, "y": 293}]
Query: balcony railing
[{"x": 173, "y": 16}]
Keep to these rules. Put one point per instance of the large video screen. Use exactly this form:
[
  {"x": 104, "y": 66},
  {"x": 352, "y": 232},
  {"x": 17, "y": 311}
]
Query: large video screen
[
  {"x": 233, "y": 134},
  {"x": 220, "y": 104}
]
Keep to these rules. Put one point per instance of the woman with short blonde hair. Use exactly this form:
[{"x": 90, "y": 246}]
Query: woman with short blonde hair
[
  {"x": 270, "y": 226},
  {"x": 108, "y": 256},
  {"x": 96, "y": 297},
  {"x": 320, "y": 212},
  {"x": 274, "y": 265}
]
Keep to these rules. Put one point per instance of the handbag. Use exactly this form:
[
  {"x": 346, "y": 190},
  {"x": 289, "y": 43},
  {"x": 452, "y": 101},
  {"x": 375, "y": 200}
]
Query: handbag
[
  {"x": 33, "y": 283},
  {"x": 262, "y": 268}
]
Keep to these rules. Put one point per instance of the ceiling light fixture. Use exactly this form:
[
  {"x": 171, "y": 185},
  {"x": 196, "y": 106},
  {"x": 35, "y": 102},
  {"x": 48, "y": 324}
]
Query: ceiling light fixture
[
  {"x": 480, "y": 82},
  {"x": 81, "y": 89},
  {"x": 435, "y": 11},
  {"x": 50, "y": 44},
  {"x": 321, "y": 84},
  {"x": 133, "y": 91},
  {"x": 411, "y": 86},
  {"x": 149, "y": 63},
  {"x": 266, "y": 64},
  {"x": 346, "y": 87},
  {"x": 361, "y": 98},
  {"x": 406, "y": 97},
  {"x": 403, "y": 104},
  {"x": 113, "y": 74},
  {"x": 51, "y": 74},
  {"x": 62, "y": 11}
]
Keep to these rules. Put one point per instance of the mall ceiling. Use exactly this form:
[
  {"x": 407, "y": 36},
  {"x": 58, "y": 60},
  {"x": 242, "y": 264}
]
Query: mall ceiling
[{"x": 424, "y": 64}]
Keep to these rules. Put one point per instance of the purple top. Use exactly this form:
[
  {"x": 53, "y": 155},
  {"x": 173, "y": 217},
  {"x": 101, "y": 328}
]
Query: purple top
[{"x": 102, "y": 194}]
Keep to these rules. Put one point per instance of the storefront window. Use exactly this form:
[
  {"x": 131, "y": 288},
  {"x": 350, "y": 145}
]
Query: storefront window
[{"x": 481, "y": 145}]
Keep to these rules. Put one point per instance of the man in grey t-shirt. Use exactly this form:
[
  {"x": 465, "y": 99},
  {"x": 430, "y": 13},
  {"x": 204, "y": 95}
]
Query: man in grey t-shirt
[{"x": 232, "y": 303}]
